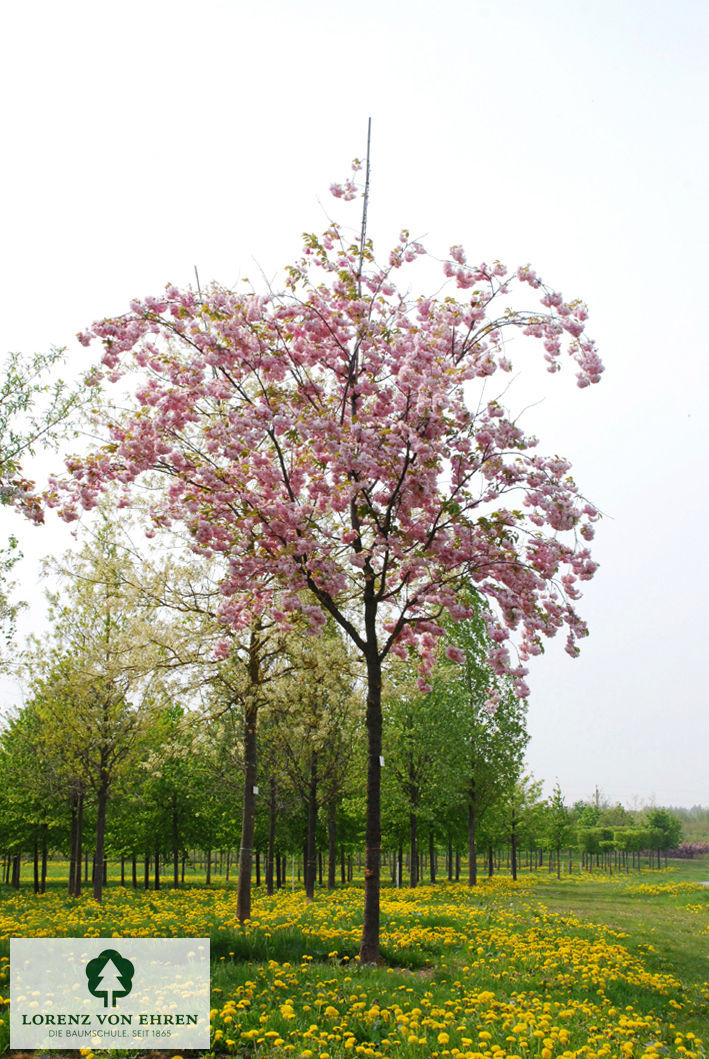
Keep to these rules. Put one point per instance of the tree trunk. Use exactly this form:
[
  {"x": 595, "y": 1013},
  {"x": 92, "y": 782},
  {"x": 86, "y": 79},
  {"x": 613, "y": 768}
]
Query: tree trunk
[
  {"x": 134, "y": 869},
  {"x": 43, "y": 878},
  {"x": 146, "y": 872},
  {"x": 78, "y": 843},
  {"x": 102, "y": 801},
  {"x": 343, "y": 866},
  {"x": 243, "y": 900},
  {"x": 310, "y": 867},
  {"x": 331, "y": 844},
  {"x": 74, "y": 868},
  {"x": 271, "y": 834},
  {"x": 35, "y": 866},
  {"x": 413, "y": 846},
  {"x": 431, "y": 855},
  {"x": 175, "y": 844},
  {"x": 472, "y": 846},
  {"x": 369, "y": 949},
  {"x": 157, "y": 868},
  {"x": 513, "y": 849}
]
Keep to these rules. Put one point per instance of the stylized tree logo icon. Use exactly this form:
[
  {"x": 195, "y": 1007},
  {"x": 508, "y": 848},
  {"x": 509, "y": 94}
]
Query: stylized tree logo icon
[{"x": 110, "y": 975}]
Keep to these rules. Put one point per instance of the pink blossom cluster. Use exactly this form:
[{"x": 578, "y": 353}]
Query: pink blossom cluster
[{"x": 322, "y": 443}]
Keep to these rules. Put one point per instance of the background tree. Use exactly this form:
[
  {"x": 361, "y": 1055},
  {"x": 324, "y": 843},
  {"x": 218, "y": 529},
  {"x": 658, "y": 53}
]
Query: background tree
[
  {"x": 422, "y": 755},
  {"x": 665, "y": 830},
  {"x": 91, "y": 678},
  {"x": 314, "y": 713},
  {"x": 34, "y": 412},
  {"x": 489, "y": 742},
  {"x": 518, "y": 817},
  {"x": 557, "y": 824},
  {"x": 33, "y": 796}
]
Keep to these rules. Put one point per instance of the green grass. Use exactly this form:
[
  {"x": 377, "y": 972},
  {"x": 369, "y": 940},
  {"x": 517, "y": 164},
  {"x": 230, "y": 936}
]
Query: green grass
[{"x": 594, "y": 950}]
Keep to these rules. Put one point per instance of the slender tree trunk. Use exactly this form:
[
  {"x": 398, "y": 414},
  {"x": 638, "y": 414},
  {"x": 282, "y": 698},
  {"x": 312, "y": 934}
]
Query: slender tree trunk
[
  {"x": 157, "y": 868},
  {"x": 279, "y": 878},
  {"x": 134, "y": 869},
  {"x": 413, "y": 846},
  {"x": 331, "y": 844},
  {"x": 208, "y": 873},
  {"x": 369, "y": 950},
  {"x": 123, "y": 869},
  {"x": 258, "y": 868},
  {"x": 472, "y": 846},
  {"x": 248, "y": 815},
  {"x": 16, "y": 870},
  {"x": 43, "y": 877},
  {"x": 102, "y": 801},
  {"x": 431, "y": 855},
  {"x": 343, "y": 866},
  {"x": 271, "y": 834},
  {"x": 490, "y": 861},
  {"x": 310, "y": 854},
  {"x": 175, "y": 844},
  {"x": 146, "y": 872},
  {"x": 74, "y": 868},
  {"x": 450, "y": 858},
  {"x": 79, "y": 843},
  {"x": 513, "y": 849},
  {"x": 35, "y": 866},
  {"x": 243, "y": 899}
]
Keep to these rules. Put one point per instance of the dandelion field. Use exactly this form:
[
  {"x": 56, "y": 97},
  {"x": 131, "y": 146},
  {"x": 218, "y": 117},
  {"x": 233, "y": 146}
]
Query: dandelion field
[{"x": 589, "y": 965}]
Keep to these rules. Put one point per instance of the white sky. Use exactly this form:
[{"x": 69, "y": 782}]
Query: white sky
[{"x": 141, "y": 139}]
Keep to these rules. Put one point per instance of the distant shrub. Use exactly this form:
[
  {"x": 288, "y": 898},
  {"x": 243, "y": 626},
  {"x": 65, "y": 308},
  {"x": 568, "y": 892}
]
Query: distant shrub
[{"x": 688, "y": 850}]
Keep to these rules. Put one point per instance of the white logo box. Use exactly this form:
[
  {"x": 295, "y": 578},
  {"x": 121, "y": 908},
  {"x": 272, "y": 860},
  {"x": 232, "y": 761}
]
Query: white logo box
[{"x": 122, "y": 993}]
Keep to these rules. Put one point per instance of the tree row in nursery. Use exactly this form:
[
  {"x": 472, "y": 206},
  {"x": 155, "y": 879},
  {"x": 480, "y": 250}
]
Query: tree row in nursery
[{"x": 152, "y": 739}]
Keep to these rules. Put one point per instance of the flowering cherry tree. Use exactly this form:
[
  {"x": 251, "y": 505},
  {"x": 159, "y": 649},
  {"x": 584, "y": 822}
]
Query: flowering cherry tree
[{"x": 339, "y": 445}]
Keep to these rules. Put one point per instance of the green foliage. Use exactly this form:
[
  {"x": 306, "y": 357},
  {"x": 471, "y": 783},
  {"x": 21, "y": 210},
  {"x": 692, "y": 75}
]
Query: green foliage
[{"x": 665, "y": 827}]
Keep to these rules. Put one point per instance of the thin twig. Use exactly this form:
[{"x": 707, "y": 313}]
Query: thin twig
[{"x": 363, "y": 234}]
